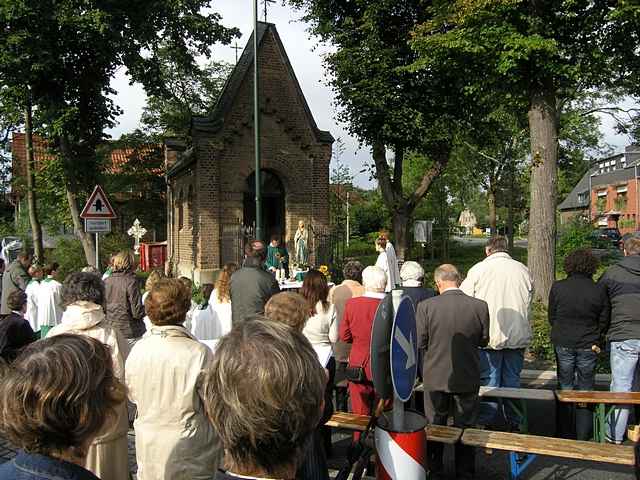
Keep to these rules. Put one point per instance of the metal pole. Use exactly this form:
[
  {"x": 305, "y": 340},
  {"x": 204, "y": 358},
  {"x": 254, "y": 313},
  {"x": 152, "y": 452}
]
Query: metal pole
[
  {"x": 398, "y": 405},
  {"x": 347, "y": 219},
  {"x": 97, "y": 254},
  {"x": 637, "y": 198},
  {"x": 256, "y": 122}
]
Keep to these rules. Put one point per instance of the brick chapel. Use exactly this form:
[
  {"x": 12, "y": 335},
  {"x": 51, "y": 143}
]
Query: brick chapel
[{"x": 211, "y": 192}]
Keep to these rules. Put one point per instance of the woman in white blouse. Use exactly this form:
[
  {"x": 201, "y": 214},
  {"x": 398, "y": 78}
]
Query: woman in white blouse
[
  {"x": 322, "y": 327},
  {"x": 387, "y": 261},
  {"x": 220, "y": 304}
]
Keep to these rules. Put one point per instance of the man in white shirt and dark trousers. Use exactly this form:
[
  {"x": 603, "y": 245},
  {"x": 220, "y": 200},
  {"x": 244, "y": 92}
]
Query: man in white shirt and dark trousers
[{"x": 507, "y": 287}]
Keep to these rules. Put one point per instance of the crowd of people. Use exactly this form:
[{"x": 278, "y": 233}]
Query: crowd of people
[{"x": 241, "y": 383}]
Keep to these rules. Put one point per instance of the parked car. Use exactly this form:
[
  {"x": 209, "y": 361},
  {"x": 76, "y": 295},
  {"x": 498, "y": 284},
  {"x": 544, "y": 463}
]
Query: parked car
[{"x": 608, "y": 235}]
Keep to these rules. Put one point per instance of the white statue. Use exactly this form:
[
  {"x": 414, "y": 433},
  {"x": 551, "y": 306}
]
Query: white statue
[{"x": 301, "y": 240}]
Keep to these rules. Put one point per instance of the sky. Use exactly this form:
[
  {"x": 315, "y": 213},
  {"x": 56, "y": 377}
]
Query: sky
[
  {"x": 306, "y": 58},
  {"x": 305, "y": 55}
]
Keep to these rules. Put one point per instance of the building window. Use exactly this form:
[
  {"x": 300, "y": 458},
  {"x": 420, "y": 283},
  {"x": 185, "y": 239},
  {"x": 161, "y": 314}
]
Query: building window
[
  {"x": 602, "y": 193},
  {"x": 621, "y": 199},
  {"x": 181, "y": 210},
  {"x": 582, "y": 198}
]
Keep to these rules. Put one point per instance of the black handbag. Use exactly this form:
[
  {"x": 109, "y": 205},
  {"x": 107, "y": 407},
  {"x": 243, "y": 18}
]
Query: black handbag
[{"x": 355, "y": 374}]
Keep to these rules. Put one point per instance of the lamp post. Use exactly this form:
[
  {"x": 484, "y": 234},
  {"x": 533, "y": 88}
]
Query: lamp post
[{"x": 256, "y": 122}]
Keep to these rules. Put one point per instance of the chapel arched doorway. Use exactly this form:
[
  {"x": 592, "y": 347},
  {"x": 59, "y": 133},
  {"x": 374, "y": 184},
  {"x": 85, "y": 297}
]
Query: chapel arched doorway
[{"x": 273, "y": 204}]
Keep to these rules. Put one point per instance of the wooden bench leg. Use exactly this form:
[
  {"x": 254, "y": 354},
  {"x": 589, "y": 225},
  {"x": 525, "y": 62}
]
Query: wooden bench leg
[
  {"x": 518, "y": 463},
  {"x": 637, "y": 465}
]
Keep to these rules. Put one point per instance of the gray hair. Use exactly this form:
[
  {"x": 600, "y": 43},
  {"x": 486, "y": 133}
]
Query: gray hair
[
  {"x": 83, "y": 286},
  {"x": 374, "y": 279},
  {"x": 263, "y": 394},
  {"x": 353, "y": 271},
  {"x": 411, "y": 271},
  {"x": 447, "y": 273},
  {"x": 497, "y": 243}
]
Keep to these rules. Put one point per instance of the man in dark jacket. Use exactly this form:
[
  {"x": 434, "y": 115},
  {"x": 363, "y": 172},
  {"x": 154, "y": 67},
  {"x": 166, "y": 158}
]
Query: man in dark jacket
[
  {"x": 15, "y": 278},
  {"x": 622, "y": 283},
  {"x": 451, "y": 328},
  {"x": 251, "y": 287}
]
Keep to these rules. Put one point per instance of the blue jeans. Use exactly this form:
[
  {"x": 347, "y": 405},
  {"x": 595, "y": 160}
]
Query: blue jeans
[
  {"x": 576, "y": 364},
  {"x": 500, "y": 368},
  {"x": 624, "y": 360},
  {"x": 576, "y": 370}
]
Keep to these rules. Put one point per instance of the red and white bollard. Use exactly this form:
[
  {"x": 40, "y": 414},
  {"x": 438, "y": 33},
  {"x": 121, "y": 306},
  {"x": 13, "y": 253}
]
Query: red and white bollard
[{"x": 402, "y": 452}]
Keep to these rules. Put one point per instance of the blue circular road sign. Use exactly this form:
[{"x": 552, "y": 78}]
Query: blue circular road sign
[{"x": 404, "y": 350}]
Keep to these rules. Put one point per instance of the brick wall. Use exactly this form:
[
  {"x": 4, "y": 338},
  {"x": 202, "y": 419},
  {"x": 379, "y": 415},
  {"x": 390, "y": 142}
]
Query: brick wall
[
  {"x": 628, "y": 220},
  {"x": 289, "y": 148}
]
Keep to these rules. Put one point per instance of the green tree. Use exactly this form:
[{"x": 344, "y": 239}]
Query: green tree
[
  {"x": 386, "y": 104},
  {"x": 189, "y": 91},
  {"x": 66, "y": 53},
  {"x": 543, "y": 54},
  {"x": 139, "y": 180}
]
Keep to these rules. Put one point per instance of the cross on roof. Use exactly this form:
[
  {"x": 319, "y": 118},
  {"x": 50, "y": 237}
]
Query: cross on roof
[
  {"x": 266, "y": 7},
  {"x": 237, "y": 47}
]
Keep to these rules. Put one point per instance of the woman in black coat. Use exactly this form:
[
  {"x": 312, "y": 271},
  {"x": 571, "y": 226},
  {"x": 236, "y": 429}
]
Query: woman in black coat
[
  {"x": 577, "y": 313},
  {"x": 15, "y": 331}
]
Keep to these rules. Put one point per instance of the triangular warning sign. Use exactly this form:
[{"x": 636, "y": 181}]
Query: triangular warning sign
[{"x": 98, "y": 205}]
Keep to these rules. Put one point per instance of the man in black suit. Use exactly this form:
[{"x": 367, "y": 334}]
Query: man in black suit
[{"x": 451, "y": 328}]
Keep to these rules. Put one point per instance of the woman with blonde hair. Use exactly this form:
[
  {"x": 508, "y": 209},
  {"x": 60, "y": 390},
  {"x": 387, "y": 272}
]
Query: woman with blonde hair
[
  {"x": 164, "y": 374},
  {"x": 83, "y": 297},
  {"x": 220, "y": 300},
  {"x": 58, "y": 396},
  {"x": 125, "y": 311}
]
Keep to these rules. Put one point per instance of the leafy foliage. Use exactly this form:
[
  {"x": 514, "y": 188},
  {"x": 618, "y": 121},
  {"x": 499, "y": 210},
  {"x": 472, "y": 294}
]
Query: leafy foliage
[
  {"x": 386, "y": 104},
  {"x": 576, "y": 234},
  {"x": 191, "y": 91},
  {"x": 62, "y": 55}
]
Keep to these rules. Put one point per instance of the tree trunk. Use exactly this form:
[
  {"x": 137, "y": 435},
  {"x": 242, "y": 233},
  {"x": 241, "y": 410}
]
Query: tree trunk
[
  {"x": 400, "y": 221},
  {"x": 402, "y": 207},
  {"x": 72, "y": 199},
  {"x": 36, "y": 228},
  {"x": 510, "y": 232},
  {"x": 493, "y": 217},
  {"x": 542, "y": 216}
]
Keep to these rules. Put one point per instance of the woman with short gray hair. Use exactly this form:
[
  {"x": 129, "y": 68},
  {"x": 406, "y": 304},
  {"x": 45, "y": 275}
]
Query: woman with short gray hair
[{"x": 264, "y": 394}]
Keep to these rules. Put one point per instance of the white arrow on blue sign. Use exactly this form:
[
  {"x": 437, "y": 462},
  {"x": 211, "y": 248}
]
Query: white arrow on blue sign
[{"x": 404, "y": 350}]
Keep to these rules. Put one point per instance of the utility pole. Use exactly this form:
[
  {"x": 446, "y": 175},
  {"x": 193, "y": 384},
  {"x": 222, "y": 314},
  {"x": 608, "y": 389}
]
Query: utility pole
[
  {"x": 347, "y": 219},
  {"x": 256, "y": 122}
]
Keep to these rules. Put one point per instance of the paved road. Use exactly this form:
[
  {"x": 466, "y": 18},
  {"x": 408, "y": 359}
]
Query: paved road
[{"x": 474, "y": 241}]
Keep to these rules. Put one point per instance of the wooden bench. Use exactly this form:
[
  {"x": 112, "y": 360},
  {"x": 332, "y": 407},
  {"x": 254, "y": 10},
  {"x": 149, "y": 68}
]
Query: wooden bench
[
  {"x": 604, "y": 403},
  {"x": 358, "y": 423},
  {"x": 533, "y": 445},
  {"x": 516, "y": 397}
]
